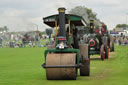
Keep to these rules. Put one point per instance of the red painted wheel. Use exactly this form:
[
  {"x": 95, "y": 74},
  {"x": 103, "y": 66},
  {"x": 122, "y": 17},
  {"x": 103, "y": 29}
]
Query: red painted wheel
[
  {"x": 105, "y": 41},
  {"x": 102, "y": 52},
  {"x": 106, "y": 49}
]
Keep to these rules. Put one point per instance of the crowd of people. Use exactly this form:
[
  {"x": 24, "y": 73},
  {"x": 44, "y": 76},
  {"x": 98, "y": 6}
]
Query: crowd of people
[
  {"x": 121, "y": 40},
  {"x": 25, "y": 41}
]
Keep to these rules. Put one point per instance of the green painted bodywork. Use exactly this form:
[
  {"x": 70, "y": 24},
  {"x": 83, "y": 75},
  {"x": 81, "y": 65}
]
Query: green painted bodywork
[
  {"x": 66, "y": 50},
  {"x": 74, "y": 19},
  {"x": 68, "y": 16}
]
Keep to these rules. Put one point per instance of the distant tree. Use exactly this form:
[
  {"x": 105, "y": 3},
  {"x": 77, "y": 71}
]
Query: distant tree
[
  {"x": 121, "y": 25},
  {"x": 5, "y": 28},
  {"x": 86, "y": 13}
]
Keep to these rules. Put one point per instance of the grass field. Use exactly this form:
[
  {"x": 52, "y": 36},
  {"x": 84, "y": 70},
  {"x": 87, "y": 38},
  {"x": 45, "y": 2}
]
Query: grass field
[{"x": 22, "y": 66}]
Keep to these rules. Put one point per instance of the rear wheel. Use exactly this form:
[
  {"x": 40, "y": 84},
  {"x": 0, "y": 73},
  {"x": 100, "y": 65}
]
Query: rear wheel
[
  {"x": 106, "y": 47},
  {"x": 102, "y": 52},
  {"x": 84, "y": 60},
  {"x": 85, "y": 68}
]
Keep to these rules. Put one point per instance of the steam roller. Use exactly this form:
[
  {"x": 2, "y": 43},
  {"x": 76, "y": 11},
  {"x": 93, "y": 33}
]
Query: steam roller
[
  {"x": 65, "y": 56},
  {"x": 98, "y": 42}
]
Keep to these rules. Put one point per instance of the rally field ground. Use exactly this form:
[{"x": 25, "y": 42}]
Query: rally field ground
[{"x": 22, "y": 66}]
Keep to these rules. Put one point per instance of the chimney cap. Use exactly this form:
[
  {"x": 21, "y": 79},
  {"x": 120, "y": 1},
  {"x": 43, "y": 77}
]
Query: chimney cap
[{"x": 61, "y": 9}]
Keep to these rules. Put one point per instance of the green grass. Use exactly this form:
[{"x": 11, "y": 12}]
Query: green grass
[{"x": 22, "y": 66}]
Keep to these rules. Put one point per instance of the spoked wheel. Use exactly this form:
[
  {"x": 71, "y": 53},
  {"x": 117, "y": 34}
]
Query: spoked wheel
[
  {"x": 106, "y": 48},
  {"x": 102, "y": 52},
  {"x": 61, "y": 59}
]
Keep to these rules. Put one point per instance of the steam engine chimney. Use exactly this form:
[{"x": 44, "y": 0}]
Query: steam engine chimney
[{"x": 61, "y": 22}]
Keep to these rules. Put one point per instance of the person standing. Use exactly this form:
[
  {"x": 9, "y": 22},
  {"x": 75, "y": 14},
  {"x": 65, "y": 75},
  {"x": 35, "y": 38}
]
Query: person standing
[{"x": 0, "y": 42}]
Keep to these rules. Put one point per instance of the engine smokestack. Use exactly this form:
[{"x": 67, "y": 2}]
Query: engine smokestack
[{"x": 61, "y": 22}]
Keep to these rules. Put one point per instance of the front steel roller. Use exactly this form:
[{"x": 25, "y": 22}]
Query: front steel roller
[{"x": 61, "y": 59}]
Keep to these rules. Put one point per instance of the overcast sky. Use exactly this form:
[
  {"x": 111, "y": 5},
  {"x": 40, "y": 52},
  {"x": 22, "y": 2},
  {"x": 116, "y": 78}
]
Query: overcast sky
[{"x": 22, "y": 15}]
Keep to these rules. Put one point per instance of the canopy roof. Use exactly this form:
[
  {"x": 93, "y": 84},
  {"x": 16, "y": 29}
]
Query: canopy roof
[{"x": 74, "y": 19}]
